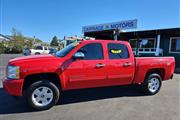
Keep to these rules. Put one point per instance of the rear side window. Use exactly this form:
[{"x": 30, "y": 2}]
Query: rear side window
[
  {"x": 92, "y": 51},
  {"x": 117, "y": 51}
]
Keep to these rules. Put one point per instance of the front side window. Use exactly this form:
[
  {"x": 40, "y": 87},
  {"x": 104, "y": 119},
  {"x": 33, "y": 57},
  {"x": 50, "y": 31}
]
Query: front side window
[
  {"x": 117, "y": 51},
  {"x": 175, "y": 45},
  {"x": 66, "y": 50},
  {"x": 92, "y": 51},
  {"x": 39, "y": 48}
]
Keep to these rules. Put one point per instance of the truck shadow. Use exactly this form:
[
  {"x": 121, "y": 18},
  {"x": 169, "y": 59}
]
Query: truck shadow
[
  {"x": 8, "y": 105},
  {"x": 92, "y": 94}
]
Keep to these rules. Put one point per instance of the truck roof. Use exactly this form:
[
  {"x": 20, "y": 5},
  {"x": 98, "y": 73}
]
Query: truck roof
[{"x": 105, "y": 41}]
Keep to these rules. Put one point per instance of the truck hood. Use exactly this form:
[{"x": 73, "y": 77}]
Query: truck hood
[
  {"x": 38, "y": 64},
  {"x": 31, "y": 58}
]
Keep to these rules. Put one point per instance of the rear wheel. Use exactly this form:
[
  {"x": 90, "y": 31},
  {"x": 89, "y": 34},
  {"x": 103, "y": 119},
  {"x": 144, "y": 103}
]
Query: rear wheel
[
  {"x": 42, "y": 95},
  {"x": 152, "y": 84}
]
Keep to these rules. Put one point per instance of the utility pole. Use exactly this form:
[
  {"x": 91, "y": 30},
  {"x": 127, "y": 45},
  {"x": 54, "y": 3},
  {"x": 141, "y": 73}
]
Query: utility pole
[
  {"x": 34, "y": 38},
  {"x": 137, "y": 45},
  {"x": 116, "y": 34}
]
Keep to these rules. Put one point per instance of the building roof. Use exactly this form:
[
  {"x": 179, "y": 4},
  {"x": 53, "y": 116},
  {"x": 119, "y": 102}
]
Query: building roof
[
  {"x": 161, "y": 29},
  {"x": 151, "y": 33},
  {"x": 108, "y": 34},
  {"x": 4, "y": 38}
]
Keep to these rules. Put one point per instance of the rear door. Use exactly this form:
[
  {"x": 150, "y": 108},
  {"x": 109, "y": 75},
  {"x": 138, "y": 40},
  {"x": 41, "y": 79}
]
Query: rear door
[{"x": 120, "y": 64}]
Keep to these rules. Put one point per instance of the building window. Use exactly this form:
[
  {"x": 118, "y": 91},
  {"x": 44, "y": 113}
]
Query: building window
[
  {"x": 175, "y": 45},
  {"x": 133, "y": 43},
  {"x": 144, "y": 43}
]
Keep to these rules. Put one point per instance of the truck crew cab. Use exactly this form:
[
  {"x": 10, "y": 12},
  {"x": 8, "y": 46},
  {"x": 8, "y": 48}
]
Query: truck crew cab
[{"x": 84, "y": 64}]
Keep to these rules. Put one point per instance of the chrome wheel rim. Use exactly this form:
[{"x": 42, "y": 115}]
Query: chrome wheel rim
[
  {"x": 153, "y": 84},
  {"x": 42, "y": 96}
]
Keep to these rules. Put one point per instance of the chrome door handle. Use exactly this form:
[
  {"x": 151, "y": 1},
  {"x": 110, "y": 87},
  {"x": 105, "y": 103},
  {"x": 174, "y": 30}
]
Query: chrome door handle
[
  {"x": 127, "y": 64},
  {"x": 100, "y": 65}
]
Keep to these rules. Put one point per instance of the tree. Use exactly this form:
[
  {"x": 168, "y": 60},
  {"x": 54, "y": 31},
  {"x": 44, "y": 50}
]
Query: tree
[
  {"x": 54, "y": 41},
  {"x": 17, "y": 43},
  {"x": 2, "y": 47}
]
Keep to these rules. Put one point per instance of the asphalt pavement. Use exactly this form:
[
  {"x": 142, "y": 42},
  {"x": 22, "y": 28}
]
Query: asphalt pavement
[{"x": 109, "y": 103}]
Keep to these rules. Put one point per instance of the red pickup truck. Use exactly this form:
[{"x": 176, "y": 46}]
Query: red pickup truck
[{"x": 84, "y": 64}]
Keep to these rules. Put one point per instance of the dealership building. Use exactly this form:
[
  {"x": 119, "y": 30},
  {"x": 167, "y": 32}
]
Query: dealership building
[{"x": 156, "y": 42}]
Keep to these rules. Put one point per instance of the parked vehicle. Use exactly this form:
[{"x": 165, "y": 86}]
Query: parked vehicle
[
  {"x": 85, "y": 64},
  {"x": 52, "y": 51},
  {"x": 27, "y": 51},
  {"x": 39, "y": 50}
]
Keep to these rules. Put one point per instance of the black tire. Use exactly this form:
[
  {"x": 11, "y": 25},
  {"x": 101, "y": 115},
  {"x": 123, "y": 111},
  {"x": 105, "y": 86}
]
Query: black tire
[
  {"x": 155, "y": 86},
  {"x": 38, "y": 85},
  {"x": 16, "y": 97},
  {"x": 37, "y": 53}
]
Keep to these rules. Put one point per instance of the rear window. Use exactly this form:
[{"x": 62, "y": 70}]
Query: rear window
[
  {"x": 45, "y": 48},
  {"x": 117, "y": 51}
]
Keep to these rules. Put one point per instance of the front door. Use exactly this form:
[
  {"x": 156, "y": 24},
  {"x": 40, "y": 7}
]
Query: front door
[{"x": 89, "y": 71}]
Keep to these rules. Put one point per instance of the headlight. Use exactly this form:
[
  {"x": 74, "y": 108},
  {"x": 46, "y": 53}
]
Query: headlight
[{"x": 13, "y": 72}]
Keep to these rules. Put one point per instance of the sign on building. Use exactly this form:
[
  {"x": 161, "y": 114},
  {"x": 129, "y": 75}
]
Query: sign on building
[{"x": 122, "y": 25}]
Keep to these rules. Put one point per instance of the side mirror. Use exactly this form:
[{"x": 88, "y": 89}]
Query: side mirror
[{"x": 78, "y": 55}]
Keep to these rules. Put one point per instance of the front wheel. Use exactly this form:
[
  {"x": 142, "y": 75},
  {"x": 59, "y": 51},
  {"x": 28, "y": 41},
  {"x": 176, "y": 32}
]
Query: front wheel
[
  {"x": 42, "y": 95},
  {"x": 152, "y": 84}
]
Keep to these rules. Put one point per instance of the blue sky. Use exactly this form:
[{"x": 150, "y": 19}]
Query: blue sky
[{"x": 46, "y": 18}]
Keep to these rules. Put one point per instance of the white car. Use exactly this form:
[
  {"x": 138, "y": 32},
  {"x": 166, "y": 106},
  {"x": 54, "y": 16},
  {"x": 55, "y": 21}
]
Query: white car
[{"x": 39, "y": 50}]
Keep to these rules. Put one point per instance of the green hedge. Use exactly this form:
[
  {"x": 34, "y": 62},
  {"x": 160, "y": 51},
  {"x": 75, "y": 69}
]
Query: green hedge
[{"x": 9, "y": 48}]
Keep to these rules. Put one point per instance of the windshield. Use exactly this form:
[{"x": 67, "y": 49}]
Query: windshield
[{"x": 66, "y": 50}]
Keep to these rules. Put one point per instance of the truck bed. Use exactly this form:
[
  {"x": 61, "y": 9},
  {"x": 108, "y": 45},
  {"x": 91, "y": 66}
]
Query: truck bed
[{"x": 165, "y": 64}]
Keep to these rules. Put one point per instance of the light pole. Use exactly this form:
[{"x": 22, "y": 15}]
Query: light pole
[
  {"x": 34, "y": 38},
  {"x": 116, "y": 34}
]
